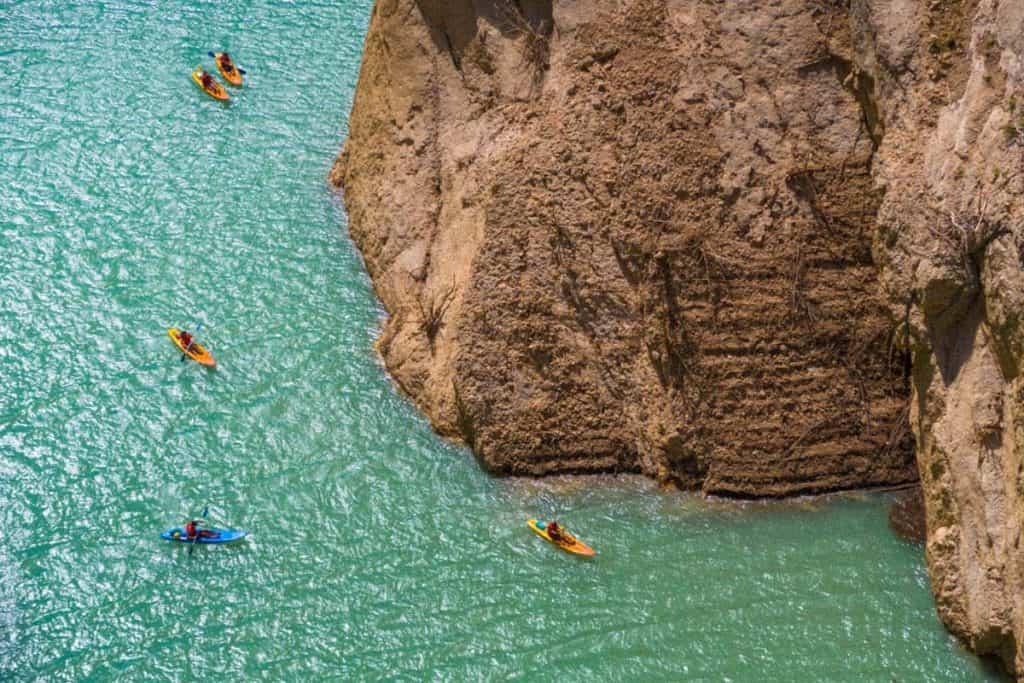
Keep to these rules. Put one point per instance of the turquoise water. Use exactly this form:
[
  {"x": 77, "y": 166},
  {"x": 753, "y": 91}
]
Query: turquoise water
[{"x": 130, "y": 202}]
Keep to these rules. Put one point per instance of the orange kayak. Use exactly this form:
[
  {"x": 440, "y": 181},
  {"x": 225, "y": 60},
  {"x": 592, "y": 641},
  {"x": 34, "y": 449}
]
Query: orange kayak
[
  {"x": 230, "y": 74},
  {"x": 216, "y": 91},
  {"x": 198, "y": 352},
  {"x": 569, "y": 543}
]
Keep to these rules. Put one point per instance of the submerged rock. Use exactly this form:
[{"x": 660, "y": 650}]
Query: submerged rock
[{"x": 906, "y": 515}]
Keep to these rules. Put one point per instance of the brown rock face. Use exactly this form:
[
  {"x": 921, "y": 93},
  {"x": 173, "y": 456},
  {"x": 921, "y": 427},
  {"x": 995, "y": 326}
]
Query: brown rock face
[
  {"x": 630, "y": 237},
  {"x": 949, "y": 243},
  {"x": 704, "y": 240}
]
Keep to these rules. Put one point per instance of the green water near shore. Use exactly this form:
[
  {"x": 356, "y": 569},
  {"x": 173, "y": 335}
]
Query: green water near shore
[{"x": 130, "y": 202}]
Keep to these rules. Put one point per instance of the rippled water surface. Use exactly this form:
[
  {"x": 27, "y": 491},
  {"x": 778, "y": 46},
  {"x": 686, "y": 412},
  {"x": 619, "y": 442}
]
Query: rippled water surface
[{"x": 130, "y": 202}]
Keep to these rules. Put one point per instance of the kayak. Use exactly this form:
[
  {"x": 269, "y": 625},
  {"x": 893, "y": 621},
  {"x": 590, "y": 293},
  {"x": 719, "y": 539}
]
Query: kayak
[
  {"x": 198, "y": 352},
  {"x": 216, "y": 91},
  {"x": 220, "y": 536},
  {"x": 232, "y": 75},
  {"x": 571, "y": 544}
]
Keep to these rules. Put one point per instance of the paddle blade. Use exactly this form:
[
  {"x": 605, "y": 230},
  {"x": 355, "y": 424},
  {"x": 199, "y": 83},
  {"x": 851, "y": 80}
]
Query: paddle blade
[
  {"x": 241, "y": 71},
  {"x": 206, "y": 509},
  {"x": 211, "y": 54}
]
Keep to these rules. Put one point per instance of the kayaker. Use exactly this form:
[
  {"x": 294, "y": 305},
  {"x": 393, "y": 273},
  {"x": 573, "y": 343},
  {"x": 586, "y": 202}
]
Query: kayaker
[
  {"x": 225, "y": 61},
  {"x": 207, "y": 80},
  {"x": 186, "y": 340},
  {"x": 555, "y": 532},
  {"x": 192, "y": 530}
]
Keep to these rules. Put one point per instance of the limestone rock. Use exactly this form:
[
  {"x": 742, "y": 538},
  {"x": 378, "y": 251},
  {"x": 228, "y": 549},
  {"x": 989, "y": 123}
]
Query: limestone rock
[
  {"x": 630, "y": 237},
  {"x": 949, "y": 236}
]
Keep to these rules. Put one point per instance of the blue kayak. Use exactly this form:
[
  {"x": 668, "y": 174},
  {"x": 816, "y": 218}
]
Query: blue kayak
[{"x": 206, "y": 535}]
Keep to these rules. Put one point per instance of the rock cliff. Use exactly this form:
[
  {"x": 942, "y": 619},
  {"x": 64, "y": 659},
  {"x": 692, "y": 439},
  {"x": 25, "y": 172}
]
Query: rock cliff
[
  {"x": 948, "y": 244},
  {"x": 756, "y": 249}
]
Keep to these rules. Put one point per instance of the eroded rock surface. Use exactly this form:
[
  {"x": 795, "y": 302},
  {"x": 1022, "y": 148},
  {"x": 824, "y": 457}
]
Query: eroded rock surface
[
  {"x": 949, "y": 76},
  {"x": 720, "y": 243},
  {"x": 630, "y": 236}
]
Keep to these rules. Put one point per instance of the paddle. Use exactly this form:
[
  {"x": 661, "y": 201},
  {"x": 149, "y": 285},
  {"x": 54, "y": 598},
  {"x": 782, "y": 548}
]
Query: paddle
[
  {"x": 189, "y": 347},
  {"x": 237, "y": 68},
  {"x": 206, "y": 508}
]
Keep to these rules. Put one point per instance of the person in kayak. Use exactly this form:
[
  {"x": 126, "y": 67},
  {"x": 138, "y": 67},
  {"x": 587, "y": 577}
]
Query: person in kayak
[
  {"x": 555, "y": 532},
  {"x": 185, "y": 338},
  {"x": 192, "y": 530},
  {"x": 225, "y": 61},
  {"x": 207, "y": 80}
]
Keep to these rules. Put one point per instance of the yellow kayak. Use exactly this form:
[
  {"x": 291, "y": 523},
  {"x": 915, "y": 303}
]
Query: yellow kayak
[
  {"x": 198, "y": 352},
  {"x": 568, "y": 543},
  {"x": 216, "y": 90},
  {"x": 230, "y": 73}
]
